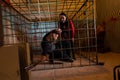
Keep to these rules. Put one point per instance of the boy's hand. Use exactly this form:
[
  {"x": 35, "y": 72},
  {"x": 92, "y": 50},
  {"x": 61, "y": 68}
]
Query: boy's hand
[{"x": 73, "y": 39}]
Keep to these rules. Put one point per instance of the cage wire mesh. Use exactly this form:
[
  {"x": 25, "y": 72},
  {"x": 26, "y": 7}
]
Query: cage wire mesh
[{"x": 29, "y": 20}]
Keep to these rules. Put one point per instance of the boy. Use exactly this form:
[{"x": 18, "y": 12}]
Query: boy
[
  {"x": 67, "y": 34},
  {"x": 48, "y": 44}
]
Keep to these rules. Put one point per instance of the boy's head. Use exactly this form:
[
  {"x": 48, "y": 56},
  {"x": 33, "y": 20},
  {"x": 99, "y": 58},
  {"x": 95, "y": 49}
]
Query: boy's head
[
  {"x": 56, "y": 33},
  {"x": 62, "y": 17}
]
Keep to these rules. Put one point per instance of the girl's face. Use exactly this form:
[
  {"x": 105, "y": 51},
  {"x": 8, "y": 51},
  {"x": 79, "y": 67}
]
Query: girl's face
[{"x": 62, "y": 18}]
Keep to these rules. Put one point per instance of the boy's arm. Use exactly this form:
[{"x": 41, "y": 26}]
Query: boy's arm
[{"x": 72, "y": 28}]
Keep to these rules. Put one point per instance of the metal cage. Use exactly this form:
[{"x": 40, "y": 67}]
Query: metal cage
[{"x": 29, "y": 20}]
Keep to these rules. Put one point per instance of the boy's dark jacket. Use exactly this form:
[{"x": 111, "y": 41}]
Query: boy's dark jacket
[{"x": 67, "y": 28}]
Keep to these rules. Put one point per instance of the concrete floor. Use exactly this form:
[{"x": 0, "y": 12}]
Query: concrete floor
[{"x": 97, "y": 72}]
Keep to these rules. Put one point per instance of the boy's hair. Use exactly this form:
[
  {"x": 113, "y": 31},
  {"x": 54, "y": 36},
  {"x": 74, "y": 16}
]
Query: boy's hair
[
  {"x": 62, "y": 13},
  {"x": 56, "y": 31}
]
